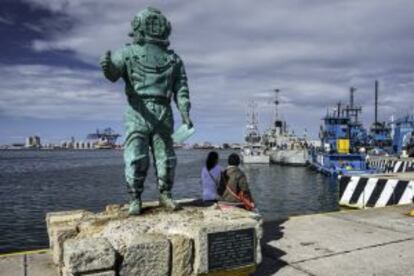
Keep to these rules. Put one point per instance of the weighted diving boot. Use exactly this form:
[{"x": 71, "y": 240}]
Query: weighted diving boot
[
  {"x": 167, "y": 202},
  {"x": 135, "y": 206}
]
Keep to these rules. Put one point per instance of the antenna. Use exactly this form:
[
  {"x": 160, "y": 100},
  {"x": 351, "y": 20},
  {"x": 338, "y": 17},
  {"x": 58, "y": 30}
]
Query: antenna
[
  {"x": 376, "y": 103},
  {"x": 339, "y": 109},
  {"x": 276, "y": 102},
  {"x": 351, "y": 95}
]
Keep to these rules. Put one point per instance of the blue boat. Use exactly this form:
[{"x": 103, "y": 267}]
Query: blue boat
[
  {"x": 395, "y": 138},
  {"x": 343, "y": 142},
  {"x": 335, "y": 164}
]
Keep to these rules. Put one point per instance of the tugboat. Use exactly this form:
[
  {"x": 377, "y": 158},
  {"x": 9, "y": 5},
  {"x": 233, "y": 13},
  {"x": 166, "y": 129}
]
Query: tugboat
[
  {"x": 285, "y": 147},
  {"x": 343, "y": 140},
  {"x": 253, "y": 151}
]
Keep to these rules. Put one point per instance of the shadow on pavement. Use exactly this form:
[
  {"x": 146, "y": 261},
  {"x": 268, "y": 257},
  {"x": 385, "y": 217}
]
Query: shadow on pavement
[{"x": 271, "y": 263}]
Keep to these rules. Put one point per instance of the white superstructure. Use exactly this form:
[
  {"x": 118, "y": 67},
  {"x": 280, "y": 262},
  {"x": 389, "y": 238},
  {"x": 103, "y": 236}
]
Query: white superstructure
[{"x": 253, "y": 151}]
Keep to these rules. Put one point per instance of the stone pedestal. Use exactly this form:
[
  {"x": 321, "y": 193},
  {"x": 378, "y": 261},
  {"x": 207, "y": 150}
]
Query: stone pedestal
[{"x": 193, "y": 241}]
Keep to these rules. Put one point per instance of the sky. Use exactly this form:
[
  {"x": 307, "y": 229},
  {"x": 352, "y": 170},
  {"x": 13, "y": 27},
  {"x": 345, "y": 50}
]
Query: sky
[{"x": 235, "y": 52}]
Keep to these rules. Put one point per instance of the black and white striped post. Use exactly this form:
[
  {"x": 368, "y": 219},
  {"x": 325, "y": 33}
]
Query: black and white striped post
[{"x": 361, "y": 192}]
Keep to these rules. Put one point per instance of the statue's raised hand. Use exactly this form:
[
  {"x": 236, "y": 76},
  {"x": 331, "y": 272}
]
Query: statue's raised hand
[
  {"x": 106, "y": 61},
  {"x": 108, "y": 67}
]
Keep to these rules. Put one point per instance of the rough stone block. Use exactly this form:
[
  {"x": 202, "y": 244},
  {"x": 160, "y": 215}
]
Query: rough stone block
[
  {"x": 182, "y": 255},
  {"x": 88, "y": 255},
  {"x": 105, "y": 273},
  {"x": 59, "y": 236},
  {"x": 101, "y": 273},
  {"x": 65, "y": 218},
  {"x": 113, "y": 209},
  {"x": 146, "y": 255}
]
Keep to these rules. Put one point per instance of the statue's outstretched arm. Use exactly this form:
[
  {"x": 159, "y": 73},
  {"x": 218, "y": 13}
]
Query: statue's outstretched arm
[
  {"x": 182, "y": 94},
  {"x": 111, "y": 66}
]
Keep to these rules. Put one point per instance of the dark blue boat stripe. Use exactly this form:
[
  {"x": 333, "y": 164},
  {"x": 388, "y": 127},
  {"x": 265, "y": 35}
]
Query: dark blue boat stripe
[
  {"x": 360, "y": 187},
  {"x": 398, "y": 192},
  {"x": 376, "y": 193},
  {"x": 343, "y": 183}
]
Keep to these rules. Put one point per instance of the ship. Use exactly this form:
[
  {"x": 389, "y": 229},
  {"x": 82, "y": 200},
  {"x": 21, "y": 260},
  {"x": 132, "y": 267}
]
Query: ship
[
  {"x": 204, "y": 146},
  {"x": 395, "y": 138},
  {"x": 253, "y": 151},
  {"x": 285, "y": 148},
  {"x": 343, "y": 142},
  {"x": 104, "y": 139}
]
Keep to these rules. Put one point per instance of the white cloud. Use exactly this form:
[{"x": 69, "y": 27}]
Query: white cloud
[
  {"x": 237, "y": 49},
  {"x": 40, "y": 91}
]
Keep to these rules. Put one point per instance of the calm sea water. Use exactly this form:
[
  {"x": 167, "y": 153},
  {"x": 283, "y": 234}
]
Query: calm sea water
[{"x": 33, "y": 183}]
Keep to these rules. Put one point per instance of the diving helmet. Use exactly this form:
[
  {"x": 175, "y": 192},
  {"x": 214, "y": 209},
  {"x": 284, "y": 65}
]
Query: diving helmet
[{"x": 150, "y": 25}]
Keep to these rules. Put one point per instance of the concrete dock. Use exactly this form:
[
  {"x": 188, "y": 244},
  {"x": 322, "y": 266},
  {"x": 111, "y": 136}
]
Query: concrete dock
[{"x": 357, "y": 242}]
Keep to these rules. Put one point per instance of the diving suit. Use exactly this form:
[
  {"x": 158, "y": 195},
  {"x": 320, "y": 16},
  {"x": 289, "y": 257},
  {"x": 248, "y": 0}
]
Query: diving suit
[{"x": 153, "y": 75}]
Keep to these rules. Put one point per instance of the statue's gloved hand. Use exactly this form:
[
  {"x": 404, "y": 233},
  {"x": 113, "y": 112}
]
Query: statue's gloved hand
[
  {"x": 106, "y": 61},
  {"x": 187, "y": 120},
  {"x": 108, "y": 67}
]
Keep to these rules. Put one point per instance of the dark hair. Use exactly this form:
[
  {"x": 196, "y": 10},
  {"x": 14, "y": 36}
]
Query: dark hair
[
  {"x": 212, "y": 160},
  {"x": 234, "y": 159}
]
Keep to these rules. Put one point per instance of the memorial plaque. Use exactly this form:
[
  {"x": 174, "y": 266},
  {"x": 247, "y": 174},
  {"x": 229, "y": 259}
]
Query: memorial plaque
[{"x": 231, "y": 249}]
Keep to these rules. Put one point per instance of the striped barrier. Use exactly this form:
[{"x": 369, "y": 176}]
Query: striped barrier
[
  {"x": 403, "y": 166},
  {"x": 362, "y": 192},
  {"x": 391, "y": 165},
  {"x": 380, "y": 164}
]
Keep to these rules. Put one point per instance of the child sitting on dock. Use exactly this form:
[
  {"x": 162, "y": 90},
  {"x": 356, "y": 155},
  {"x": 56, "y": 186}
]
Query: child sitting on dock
[
  {"x": 211, "y": 177},
  {"x": 234, "y": 187}
]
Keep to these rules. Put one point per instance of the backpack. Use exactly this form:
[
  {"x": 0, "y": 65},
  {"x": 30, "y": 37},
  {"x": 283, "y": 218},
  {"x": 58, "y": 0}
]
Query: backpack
[{"x": 242, "y": 196}]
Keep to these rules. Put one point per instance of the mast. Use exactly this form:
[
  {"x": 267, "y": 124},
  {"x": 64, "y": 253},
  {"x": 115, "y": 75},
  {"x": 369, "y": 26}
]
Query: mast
[
  {"x": 351, "y": 110},
  {"x": 339, "y": 109},
  {"x": 276, "y": 102},
  {"x": 252, "y": 129},
  {"x": 351, "y": 95},
  {"x": 252, "y": 116},
  {"x": 376, "y": 103}
]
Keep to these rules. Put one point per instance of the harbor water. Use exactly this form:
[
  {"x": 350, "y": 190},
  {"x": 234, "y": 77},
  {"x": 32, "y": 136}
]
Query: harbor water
[{"x": 33, "y": 183}]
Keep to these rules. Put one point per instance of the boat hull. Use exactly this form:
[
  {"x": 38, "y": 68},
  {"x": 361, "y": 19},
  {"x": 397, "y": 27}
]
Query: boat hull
[
  {"x": 290, "y": 157},
  {"x": 256, "y": 159},
  {"x": 340, "y": 164}
]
